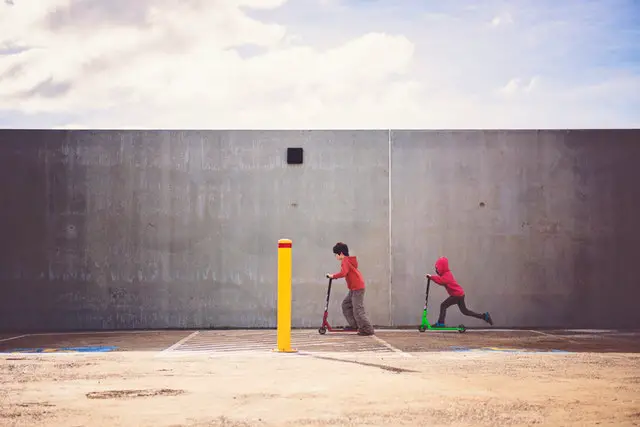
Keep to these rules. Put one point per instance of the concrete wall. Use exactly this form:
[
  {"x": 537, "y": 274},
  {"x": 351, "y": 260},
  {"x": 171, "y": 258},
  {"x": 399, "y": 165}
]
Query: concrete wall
[
  {"x": 155, "y": 229},
  {"x": 180, "y": 229},
  {"x": 540, "y": 227}
]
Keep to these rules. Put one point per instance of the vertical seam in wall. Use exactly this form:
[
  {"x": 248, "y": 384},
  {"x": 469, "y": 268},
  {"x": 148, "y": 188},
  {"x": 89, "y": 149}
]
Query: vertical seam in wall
[{"x": 390, "y": 236}]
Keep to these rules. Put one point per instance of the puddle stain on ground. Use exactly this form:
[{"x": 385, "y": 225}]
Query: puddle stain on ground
[
  {"x": 130, "y": 394},
  {"x": 34, "y": 404}
]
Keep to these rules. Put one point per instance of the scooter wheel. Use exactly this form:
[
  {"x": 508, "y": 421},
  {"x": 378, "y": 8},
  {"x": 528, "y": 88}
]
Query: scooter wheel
[
  {"x": 322, "y": 330},
  {"x": 461, "y": 329},
  {"x": 422, "y": 329}
]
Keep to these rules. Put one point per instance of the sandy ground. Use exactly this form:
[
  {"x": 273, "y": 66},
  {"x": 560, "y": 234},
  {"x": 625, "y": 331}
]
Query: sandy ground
[{"x": 371, "y": 387}]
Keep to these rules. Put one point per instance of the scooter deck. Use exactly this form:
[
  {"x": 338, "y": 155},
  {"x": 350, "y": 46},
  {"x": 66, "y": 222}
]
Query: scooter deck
[
  {"x": 323, "y": 330},
  {"x": 327, "y": 328},
  {"x": 460, "y": 328},
  {"x": 425, "y": 326}
]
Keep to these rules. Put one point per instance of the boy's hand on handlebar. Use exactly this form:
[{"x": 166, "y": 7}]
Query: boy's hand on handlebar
[
  {"x": 428, "y": 276},
  {"x": 329, "y": 276}
]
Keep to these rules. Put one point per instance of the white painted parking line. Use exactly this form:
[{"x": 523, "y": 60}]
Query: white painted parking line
[
  {"x": 544, "y": 333},
  {"x": 390, "y": 347},
  {"x": 555, "y": 336},
  {"x": 179, "y": 343},
  {"x": 13, "y": 338}
]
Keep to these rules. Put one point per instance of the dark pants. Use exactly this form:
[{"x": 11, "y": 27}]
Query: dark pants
[
  {"x": 353, "y": 310},
  {"x": 463, "y": 308}
]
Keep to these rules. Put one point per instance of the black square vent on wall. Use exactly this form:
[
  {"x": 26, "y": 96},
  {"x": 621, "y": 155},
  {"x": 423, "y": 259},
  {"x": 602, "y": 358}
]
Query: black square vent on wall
[{"x": 294, "y": 155}]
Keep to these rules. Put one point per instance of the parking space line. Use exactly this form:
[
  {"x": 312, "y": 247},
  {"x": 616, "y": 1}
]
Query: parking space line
[
  {"x": 554, "y": 336},
  {"x": 179, "y": 343},
  {"x": 390, "y": 347},
  {"x": 13, "y": 338},
  {"x": 544, "y": 333}
]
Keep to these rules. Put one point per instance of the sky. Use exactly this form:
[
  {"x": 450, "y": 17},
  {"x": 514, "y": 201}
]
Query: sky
[{"x": 319, "y": 64}]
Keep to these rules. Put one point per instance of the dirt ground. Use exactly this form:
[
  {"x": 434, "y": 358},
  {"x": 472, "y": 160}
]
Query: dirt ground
[{"x": 233, "y": 378}]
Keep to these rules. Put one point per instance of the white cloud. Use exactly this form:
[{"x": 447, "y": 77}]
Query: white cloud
[
  {"x": 502, "y": 19},
  {"x": 180, "y": 64},
  {"x": 516, "y": 86}
]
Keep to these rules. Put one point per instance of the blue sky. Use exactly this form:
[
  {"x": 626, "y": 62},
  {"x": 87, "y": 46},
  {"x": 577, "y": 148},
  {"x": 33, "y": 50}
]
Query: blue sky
[{"x": 320, "y": 64}]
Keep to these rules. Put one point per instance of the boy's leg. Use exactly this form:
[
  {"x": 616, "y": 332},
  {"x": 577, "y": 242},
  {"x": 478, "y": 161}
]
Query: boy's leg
[
  {"x": 347, "y": 311},
  {"x": 443, "y": 308},
  {"x": 364, "y": 326},
  {"x": 463, "y": 308}
]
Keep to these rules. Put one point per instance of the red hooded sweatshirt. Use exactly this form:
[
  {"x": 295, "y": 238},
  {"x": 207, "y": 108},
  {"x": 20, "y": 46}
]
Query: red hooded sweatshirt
[
  {"x": 445, "y": 278},
  {"x": 349, "y": 270}
]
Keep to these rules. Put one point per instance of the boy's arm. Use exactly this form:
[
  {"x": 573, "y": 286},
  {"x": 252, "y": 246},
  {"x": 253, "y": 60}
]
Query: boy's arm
[
  {"x": 344, "y": 269},
  {"x": 438, "y": 279}
]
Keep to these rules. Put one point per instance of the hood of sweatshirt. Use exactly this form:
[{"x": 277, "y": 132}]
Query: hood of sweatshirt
[
  {"x": 352, "y": 260},
  {"x": 442, "y": 265}
]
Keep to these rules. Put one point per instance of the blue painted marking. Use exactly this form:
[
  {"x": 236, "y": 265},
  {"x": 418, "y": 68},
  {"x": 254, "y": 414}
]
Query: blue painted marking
[{"x": 87, "y": 349}]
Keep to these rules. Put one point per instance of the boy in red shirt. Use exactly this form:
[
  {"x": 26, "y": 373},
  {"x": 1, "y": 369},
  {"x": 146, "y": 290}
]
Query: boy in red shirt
[
  {"x": 353, "y": 304},
  {"x": 444, "y": 277}
]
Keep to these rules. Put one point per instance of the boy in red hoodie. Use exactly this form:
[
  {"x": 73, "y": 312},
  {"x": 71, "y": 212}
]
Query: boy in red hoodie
[
  {"x": 353, "y": 304},
  {"x": 444, "y": 277}
]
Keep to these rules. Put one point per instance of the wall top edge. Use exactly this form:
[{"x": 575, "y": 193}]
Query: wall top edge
[{"x": 511, "y": 130}]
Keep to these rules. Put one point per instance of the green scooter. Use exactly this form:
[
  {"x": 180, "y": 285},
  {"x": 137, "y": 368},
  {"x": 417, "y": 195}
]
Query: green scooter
[{"x": 425, "y": 322}]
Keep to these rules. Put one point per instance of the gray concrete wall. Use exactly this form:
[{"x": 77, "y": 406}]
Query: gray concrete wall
[
  {"x": 540, "y": 227},
  {"x": 180, "y": 229},
  {"x": 155, "y": 229}
]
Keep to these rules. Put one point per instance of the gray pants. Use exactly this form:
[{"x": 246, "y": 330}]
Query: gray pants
[{"x": 353, "y": 310}]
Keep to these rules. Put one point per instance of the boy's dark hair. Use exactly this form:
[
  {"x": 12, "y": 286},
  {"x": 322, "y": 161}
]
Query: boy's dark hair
[{"x": 341, "y": 248}]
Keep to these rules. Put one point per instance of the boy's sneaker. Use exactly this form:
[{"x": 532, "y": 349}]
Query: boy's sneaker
[
  {"x": 487, "y": 318},
  {"x": 438, "y": 325},
  {"x": 365, "y": 334}
]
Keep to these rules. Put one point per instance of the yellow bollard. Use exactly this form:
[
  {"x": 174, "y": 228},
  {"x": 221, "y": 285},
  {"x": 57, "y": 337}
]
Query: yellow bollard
[{"x": 284, "y": 296}]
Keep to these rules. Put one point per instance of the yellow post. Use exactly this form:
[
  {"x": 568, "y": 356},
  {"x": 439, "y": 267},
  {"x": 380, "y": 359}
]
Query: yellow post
[{"x": 284, "y": 296}]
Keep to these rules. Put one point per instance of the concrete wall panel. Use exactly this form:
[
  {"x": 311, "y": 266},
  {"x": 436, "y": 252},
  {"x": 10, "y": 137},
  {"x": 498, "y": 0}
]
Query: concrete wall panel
[
  {"x": 539, "y": 226},
  {"x": 179, "y": 229}
]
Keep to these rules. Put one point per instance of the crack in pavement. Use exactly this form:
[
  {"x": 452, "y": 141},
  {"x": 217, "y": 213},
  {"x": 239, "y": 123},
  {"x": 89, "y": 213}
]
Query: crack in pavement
[{"x": 373, "y": 365}]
